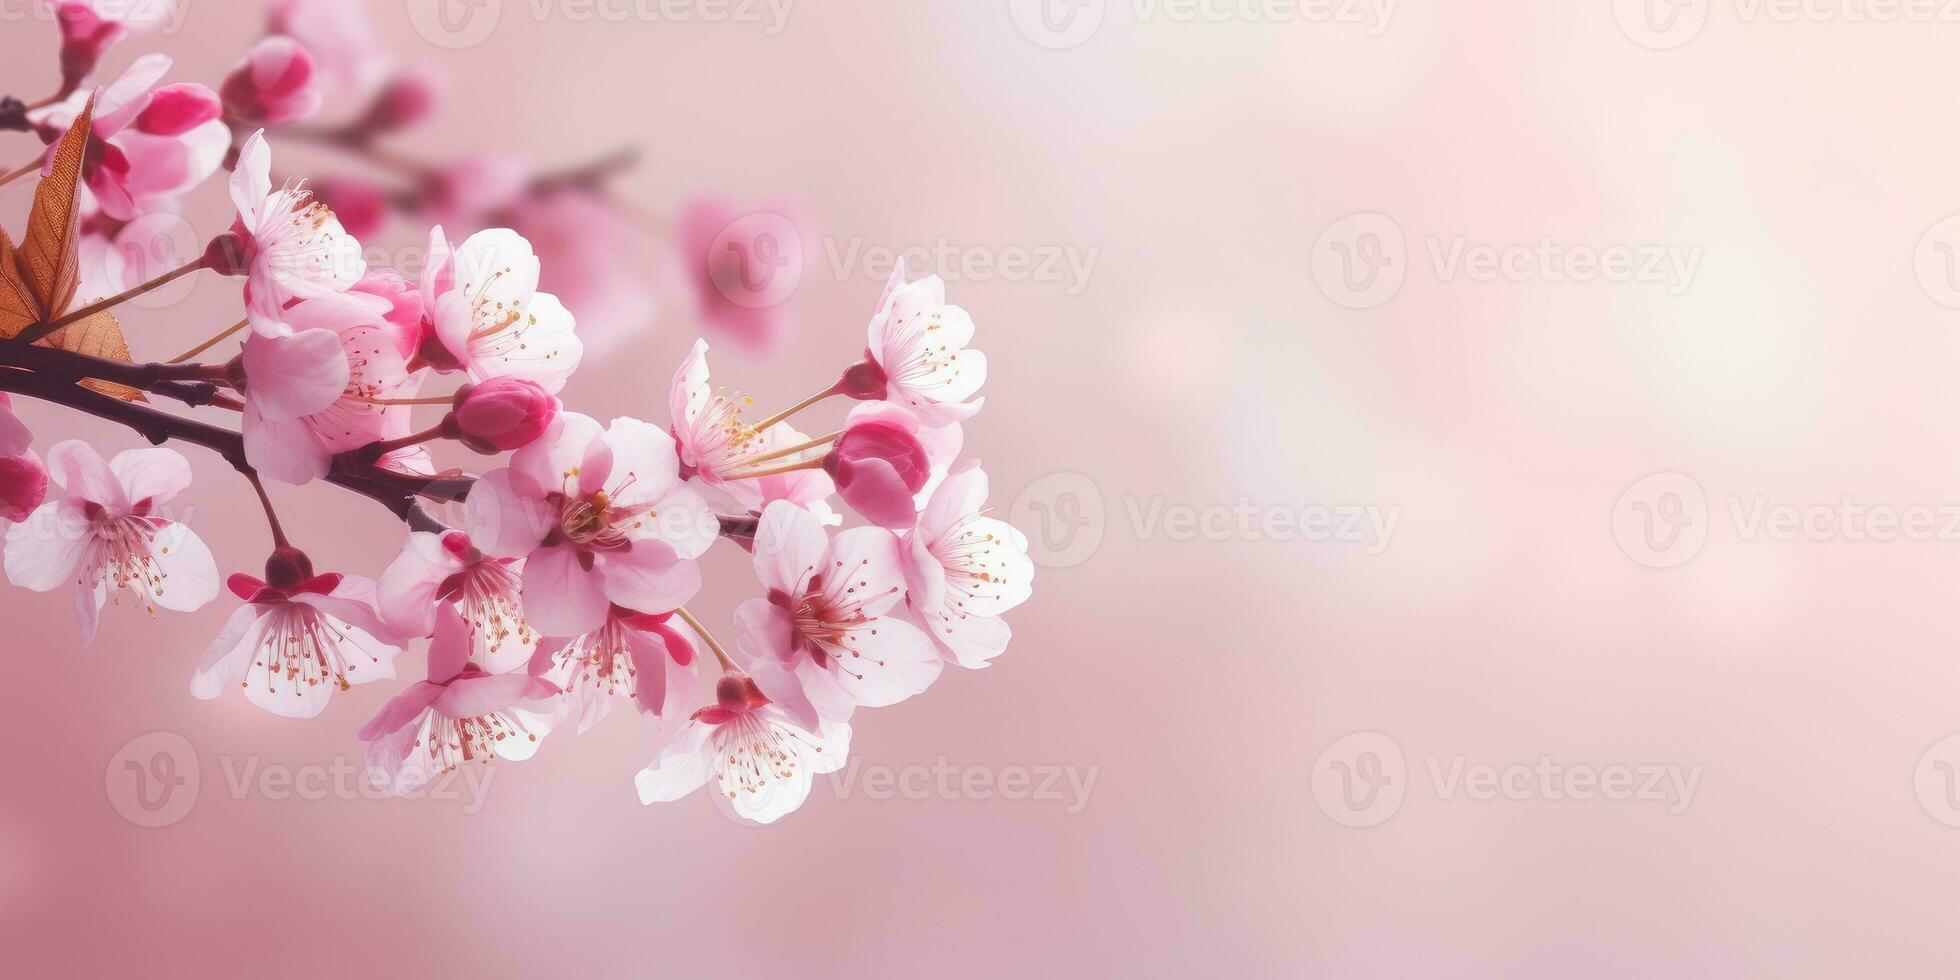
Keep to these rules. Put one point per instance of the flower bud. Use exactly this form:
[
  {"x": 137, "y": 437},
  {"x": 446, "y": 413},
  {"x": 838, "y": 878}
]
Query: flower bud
[
  {"x": 500, "y": 414},
  {"x": 864, "y": 381},
  {"x": 407, "y": 99},
  {"x": 177, "y": 109},
  {"x": 85, "y": 35},
  {"x": 23, "y": 485},
  {"x": 286, "y": 567},
  {"x": 229, "y": 254},
  {"x": 878, "y": 466},
  {"x": 273, "y": 83}
]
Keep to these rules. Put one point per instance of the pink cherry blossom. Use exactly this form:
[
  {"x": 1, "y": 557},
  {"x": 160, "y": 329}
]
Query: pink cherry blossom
[
  {"x": 761, "y": 758},
  {"x": 314, "y": 386},
  {"x": 601, "y": 517},
  {"x": 462, "y": 713},
  {"x": 101, "y": 532},
  {"x": 23, "y": 478},
  {"x": 400, "y": 304},
  {"x": 488, "y": 318},
  {"x": 296, "y": 641},
  {"x": 152, "y": 145},
  {"x": 826, "y": 639},
  {"x": 728, "y": 265},
  {"x": 288, "y": 244},
  {"x": 963, "y": 570},
  {"x": 919, "y": 344},
  {"x": 272, "y": 84},
  {"x": 591, "y": 256},
  {"x": 86, "y": 34},
  {"x": 714, "y": 441},
  {"x": 341, "y": 38},
  {"x": 633, "y": 656},
  {"x": 433, "y": 570}
]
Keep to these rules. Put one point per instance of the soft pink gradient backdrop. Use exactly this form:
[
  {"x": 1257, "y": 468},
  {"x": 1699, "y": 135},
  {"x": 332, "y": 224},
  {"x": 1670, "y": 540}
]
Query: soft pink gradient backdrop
[{"x": 1201, "y": 365}]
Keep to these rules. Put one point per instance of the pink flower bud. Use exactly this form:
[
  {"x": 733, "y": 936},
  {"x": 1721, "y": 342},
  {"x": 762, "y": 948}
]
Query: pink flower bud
[
  {"x": 273, "y": 83},
  {"x": 85, "y": 35},
  {"x": 23, "y": 485},
  {"x": 878, "y": 465},
  {"x": 407, "y": 99},
  {"x": 864, "y": 381},
  {"x": 177, "y": 109},
  {"x": 500, "y": 414},
  {"x": 230, "y": 254}
]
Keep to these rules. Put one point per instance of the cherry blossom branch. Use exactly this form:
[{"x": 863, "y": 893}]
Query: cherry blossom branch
[
  {"x": 55, "y": 376},
  {"x": 399, "y": 493}
]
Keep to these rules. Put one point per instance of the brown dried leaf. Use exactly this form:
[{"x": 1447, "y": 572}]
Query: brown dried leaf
[
  {"x": 18, "y": 308},
  {"x": 47, "y": 253},
  {"x": 99, "y": 336}
]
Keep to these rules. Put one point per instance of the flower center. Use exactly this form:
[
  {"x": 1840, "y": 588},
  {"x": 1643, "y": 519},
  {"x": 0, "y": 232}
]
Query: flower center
[
  {"x": 454, "y": 741},
  {"x": 124, "y": 557}
]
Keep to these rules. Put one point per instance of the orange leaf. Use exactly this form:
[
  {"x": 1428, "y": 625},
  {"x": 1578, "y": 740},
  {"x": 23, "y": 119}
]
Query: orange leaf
[
  {"x": 18, "y": 309},
  {"x": 99, "y": 336},
  {"x": 47, "y": 254}
]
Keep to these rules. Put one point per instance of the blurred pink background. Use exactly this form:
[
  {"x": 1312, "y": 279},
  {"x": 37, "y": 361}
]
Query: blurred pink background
[{"x": 1198, "y": 688}]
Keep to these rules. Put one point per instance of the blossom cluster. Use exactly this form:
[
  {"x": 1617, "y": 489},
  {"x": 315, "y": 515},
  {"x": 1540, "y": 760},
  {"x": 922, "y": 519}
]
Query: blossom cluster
[{"x": 564, "y": 589}]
